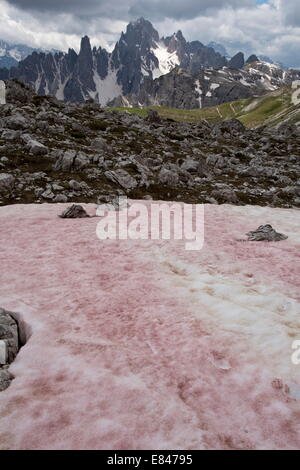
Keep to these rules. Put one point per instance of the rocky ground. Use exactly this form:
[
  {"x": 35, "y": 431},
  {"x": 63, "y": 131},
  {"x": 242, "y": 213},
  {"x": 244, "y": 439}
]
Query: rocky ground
[{"x": 56, "y": 152}]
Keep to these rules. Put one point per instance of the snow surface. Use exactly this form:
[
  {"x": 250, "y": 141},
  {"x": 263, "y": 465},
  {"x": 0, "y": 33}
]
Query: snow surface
[
  {"x": 167, "y": 60},
  {"x": 141, "y": 344},
  {"x": 243, "y": 82},
  {"x": 198, "y": 90},
  {"x": 296, "y": 94},
  {"x": 106, "y": 89}
]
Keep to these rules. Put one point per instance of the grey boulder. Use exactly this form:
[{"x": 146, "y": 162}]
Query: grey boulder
[
  {"x": 74, "y": 212},
  {"x": 266, "y": 233}
]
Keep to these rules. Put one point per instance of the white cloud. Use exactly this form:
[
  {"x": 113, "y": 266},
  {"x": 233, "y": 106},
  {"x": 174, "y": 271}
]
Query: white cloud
[{"x": 272, "y": 28}]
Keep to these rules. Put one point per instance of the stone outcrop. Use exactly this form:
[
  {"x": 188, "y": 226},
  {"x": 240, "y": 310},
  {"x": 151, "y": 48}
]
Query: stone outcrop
[
  {"x": 266, "y": 233},
  {"x": 9, "y": 346},
  {"x": 74, "y": 212}
]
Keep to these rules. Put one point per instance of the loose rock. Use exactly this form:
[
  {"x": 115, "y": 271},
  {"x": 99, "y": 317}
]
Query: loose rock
[
  {"x": 266, "y": 233},
  {"x": 74, "y": 212}
]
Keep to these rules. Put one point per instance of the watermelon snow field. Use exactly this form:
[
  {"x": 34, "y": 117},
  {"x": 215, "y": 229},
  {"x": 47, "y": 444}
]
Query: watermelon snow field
[{"x": 145, "y": 345}]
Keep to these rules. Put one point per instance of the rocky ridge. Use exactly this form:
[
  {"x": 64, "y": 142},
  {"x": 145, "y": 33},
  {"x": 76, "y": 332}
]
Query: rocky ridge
[
  {"x": 209, "y": 87},
  {"x": 56, "y": 152}
]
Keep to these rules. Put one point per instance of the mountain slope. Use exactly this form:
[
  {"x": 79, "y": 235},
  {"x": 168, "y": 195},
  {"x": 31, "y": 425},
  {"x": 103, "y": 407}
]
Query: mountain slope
[
  {"x": 271, "y": 109},
  {"x": 210, "y": 87}
]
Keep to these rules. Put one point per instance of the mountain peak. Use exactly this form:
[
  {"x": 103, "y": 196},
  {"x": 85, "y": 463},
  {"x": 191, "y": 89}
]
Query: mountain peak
[
  {"x": 179, "y": 35},
  {"x": 237, "y": 61},
  {"x": 139, "y": 21},
  {"x": 85, "y": 44},
  {"x": 252, "y": 58},
  {"x": 140, "y": 32}
]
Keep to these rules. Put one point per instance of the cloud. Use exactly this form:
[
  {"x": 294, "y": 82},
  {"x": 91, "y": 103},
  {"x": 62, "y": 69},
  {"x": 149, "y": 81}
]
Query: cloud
[
  {"x": 290, "y": 11},
  {"x": 269, "y": 27},
  {"x": 160, "y": 9},
  {"x": 181, "y": 10}
]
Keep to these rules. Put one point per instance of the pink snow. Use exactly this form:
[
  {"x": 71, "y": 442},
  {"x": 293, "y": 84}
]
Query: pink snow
[{"x": 144, "y": 345}]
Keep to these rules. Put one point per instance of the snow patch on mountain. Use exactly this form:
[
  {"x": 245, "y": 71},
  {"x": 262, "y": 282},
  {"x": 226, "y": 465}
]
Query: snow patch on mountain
[
  {"x": 296, "y": 94},
  {"x": 106, "y": 89},
  {"x": 198, "y": 90},
  {"x": 167, "y": 60}
]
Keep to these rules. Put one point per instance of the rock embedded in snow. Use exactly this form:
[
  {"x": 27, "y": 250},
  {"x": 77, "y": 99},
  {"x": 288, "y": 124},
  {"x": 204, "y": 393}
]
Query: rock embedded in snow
[
  {"x": 266, "y": 233},
  {"x": 74, "y": 212},
  {"x": 9, "y": 337},
  {"x": 5, "y": 379}
]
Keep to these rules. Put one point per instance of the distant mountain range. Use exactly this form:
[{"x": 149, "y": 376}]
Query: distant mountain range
[
  {"x": 12, "y": 54},
  {"x": 144, "y": 68}
]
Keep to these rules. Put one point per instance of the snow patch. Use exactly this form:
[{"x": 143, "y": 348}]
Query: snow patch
[
  {"x": 243, "y": 82},
  {"x": 296, "y": 95},
  {"x": 167, "y": 60},
  {"x": 199, "y": 91},
  {"x": 106, "y": 89}
]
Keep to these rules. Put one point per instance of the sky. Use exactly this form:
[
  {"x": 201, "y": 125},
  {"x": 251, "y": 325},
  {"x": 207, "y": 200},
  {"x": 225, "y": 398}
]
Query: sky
[{"x": 268, "y": 27}]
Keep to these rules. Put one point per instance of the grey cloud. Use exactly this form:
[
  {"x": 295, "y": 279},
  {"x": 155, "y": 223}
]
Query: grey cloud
[
  {"x": 113, "y": 9},
  {"x": 291, "y": 12},
  {"x": 181, "y": 10},
  {"x": 154, "y": 10}
]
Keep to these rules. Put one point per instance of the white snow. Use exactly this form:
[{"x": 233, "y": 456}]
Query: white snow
[
  {"x": 60, "y": 94},
  {"x": 208, "y": 94},
  {"x": 144, "y": 71},
  {"x": 243, "y": 82},
  {"x": 199, "y": 91},
  {"x": 126, "y": 102},
  {"x": 15, "y": 54},
  {"x": 167, "y": 60},
  {"x": 295, "y": 84},
  {"x": 296, "y": 95},
  {"x": 214, "y": 86},
  {"x": 106, "y": 89},
  {"x": 38, "y": 83}
]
